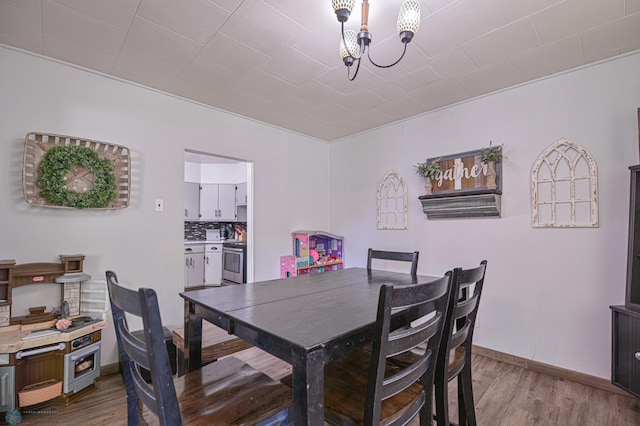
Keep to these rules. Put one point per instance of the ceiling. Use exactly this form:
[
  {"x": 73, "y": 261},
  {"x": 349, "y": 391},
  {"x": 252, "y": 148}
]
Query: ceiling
[{"x": 276, "y": 61}]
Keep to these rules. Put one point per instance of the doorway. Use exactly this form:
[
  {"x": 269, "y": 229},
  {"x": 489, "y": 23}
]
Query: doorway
[{"x": 211, "y": 169}]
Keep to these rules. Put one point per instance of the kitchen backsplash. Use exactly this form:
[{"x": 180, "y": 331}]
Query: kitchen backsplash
[{"x": 196, "y": 231}]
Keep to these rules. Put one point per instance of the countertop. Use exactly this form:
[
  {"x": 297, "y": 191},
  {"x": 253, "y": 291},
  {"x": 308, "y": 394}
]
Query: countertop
[
  {"x": 191, "y": 242},
  {"x": 11, "y": 336}
]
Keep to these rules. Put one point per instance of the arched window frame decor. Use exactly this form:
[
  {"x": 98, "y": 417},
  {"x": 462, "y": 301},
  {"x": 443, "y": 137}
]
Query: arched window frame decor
[
  {"x": 392, "y": 202},
  {"x": 572, "y": 155}
]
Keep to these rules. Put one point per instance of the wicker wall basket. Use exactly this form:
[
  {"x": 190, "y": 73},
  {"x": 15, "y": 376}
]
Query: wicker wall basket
[
  {"x": 39, "y": 392},
  {"x": 79, "y": 178}
]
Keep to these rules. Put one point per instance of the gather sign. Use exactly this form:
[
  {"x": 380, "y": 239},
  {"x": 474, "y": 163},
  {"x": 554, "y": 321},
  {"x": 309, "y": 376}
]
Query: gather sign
[{"x": 465, "y": 172}]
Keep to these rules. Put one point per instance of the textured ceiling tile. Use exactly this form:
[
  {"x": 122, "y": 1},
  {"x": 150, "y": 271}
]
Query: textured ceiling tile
[
  {"x": 550, "y": 58},
  {"x": 208, "y": 75},
  {"x": 20, "y": 27},
  {"x": 116, "y": 12},
  {"x": 315, "y": 93},
  {"x": 230, "y": 5},
  {"x": 28, "y": 5},
  {"x": 501, "y": 12},
  {"x": 78, "y": 54},
  {"x": 361, "y": 100},
  {"x": 488, "y": 79},
  {"x": 632, "y": 6},
  {"x": 621, "y": 34},
  {"x": 149, "y": 38},
  {"x": 63, "y": 23},
  {"x": 572, "y": 16},
  {"x": 229, "y": 53},
  {"x": 337, "y": 79},
  {"x": 262, "y": 27},
  {"x": 452, "y": 63},
  {"x": 195, "y": 19},
  {"x": 293, "y": 66},
  {"x": 420, "y": 78},
  {"x": 144, "y": 68},
  {"x": 443, "y": 93},
  {"x": 499, "y": 44},
  {"x": 449, "y": 27}
]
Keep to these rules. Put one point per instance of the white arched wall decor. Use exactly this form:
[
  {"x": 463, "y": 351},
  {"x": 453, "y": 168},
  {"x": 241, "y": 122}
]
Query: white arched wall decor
[
  {"x": 564, "y": 187},
  {"x": 392, "y": 202}
]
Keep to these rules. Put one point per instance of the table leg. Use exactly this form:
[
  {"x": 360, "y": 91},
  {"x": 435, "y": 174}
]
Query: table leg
[
  {"x": 308, "y": 387},
  {"x": 192, "y": 338}
]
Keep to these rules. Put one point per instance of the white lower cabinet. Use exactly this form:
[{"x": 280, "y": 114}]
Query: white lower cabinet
[
  {"x": 213, "y": 264},
  {"x": 193, "y": 265}
]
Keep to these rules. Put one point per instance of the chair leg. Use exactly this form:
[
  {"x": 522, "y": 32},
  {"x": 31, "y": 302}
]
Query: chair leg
[
  {"x": 442, "y": 400},
  {"x": 466, "y": 405},
  {"x": 426, "y": 412}
]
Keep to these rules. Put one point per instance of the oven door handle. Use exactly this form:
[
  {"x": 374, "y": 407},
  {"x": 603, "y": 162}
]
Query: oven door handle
[
  {"x": 23, "y": 354},
  {"x": 81, "y": 353}
]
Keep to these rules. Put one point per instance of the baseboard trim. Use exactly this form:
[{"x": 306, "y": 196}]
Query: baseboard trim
[
  {"x": 108, "y": 369},
  {"x": 561, "y": 373}
]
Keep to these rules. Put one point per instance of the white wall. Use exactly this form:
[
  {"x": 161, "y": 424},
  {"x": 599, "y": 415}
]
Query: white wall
[
  {"x": 547, "y": 291},
  {"x": 144, "y": 247}
]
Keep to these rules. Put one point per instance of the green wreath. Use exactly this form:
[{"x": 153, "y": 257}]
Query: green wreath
[{"x": 57, "y": 163}]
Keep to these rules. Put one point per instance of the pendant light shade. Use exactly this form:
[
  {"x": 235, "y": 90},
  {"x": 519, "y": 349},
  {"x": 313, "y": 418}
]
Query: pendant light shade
[
  {"x": 409, "y": 19},
  {"x": 343, "y": 8},
  {"x": 354, "y": 45},
  {"x": 351, "y": 50}
]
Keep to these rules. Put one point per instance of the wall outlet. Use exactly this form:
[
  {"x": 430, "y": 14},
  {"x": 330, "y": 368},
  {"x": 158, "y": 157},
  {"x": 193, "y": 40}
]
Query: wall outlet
[{"x": 159, "y": 206}]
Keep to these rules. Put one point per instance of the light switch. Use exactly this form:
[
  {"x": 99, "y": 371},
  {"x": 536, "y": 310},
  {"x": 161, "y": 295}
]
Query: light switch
[{"x": 159, "y": 205}]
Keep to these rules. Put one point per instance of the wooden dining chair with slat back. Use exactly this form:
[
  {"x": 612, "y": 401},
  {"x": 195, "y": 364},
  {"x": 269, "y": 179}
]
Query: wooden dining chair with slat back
[
  {"x": 225, "y": 392},
  {"x": 454, "y": 358},
  {"x": 398, "y": 256},
  {"x": 363, "y": 388}
]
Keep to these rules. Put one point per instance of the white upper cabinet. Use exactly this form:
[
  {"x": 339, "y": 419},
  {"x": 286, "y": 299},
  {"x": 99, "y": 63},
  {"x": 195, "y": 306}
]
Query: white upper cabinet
[
  {"x": 191, "y": 201},
  {"x": 218, "y": 202},
  {"x": 241, "y": 194}
]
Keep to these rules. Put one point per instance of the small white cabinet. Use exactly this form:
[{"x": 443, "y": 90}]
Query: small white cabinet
[
  {"x": 241, "y": 194},
  {"x": 193, "y": 265},
  {"x": 191, "y": 201},
  {"x": 218, "y": 202},
  {"x": 213, "y": 264}
]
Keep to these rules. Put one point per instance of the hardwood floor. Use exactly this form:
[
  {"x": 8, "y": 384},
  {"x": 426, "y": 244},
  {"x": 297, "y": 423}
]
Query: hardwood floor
[{"x": 506, "y": 395}]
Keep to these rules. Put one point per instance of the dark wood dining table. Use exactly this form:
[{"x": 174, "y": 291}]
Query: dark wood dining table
[{"x": 307, "y": 321}]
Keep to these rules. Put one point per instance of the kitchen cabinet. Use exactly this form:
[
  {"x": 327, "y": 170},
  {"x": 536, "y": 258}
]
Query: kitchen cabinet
[
  {"x": 218, "y": 202},
  {"x": 213, "y": 264},
  {"x": 241, "y": 194},
  {"x": 193, "y": 265},
  {"x": 191, "y": 201}
]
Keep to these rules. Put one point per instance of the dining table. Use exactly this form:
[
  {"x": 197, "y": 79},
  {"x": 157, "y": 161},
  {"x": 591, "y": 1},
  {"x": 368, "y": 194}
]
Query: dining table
[{"x": 307, "y": 321}]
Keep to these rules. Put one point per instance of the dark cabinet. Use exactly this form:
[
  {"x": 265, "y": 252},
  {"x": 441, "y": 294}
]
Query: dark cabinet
[
  {"x": 625, "y": 357},
  {"x": 625, "y": 322},
  {"x": 632, "y": 299}
]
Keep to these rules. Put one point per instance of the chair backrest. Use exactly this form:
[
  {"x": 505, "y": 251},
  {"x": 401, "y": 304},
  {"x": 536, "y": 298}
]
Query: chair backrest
[
  {"x": 461, "y": 317},
  {"x": 431, "y": 299},
  {"x": 399, "y": 256},
  {"x": 159, "y": 396}
]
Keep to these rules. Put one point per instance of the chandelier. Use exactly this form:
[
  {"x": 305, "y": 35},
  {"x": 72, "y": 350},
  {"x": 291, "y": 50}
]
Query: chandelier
[{"x": 354, "y": 45}]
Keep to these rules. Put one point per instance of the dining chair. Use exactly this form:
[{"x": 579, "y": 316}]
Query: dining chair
[
  {"x": 363, "y": 388},
  {"x": 399, "y": 256},
  {"x": 454, "y": 356},
  {"x": 463, "y": 309},
  {"x": 227, "y": 391}
]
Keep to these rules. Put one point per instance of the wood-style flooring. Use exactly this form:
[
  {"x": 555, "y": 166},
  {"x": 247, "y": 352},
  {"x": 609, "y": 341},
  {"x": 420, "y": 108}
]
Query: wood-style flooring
[{"x": 506, "y": 395}]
